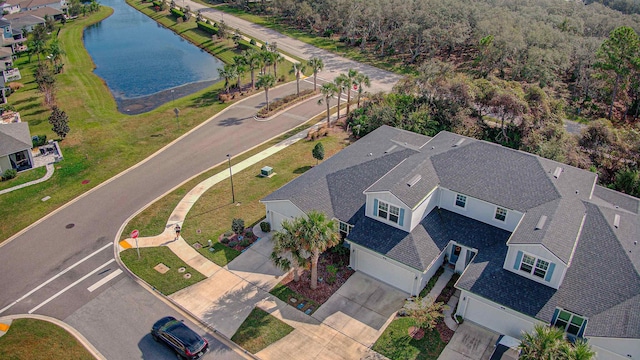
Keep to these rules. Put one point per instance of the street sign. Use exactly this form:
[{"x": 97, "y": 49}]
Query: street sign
[{"x": 134, "y": 234}]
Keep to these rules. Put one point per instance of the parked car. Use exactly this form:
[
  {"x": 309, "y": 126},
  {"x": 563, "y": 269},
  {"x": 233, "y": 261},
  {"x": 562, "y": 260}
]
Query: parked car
[
  {"x": 506, "y": 348},
  {"x": 178, "y": 336}
]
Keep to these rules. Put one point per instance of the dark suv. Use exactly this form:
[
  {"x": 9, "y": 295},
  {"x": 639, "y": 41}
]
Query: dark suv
[{"x": 184, "y": 341}]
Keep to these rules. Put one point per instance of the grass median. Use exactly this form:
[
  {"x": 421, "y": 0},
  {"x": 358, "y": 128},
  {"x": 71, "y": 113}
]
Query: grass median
[{"x": 259, "y": 330}]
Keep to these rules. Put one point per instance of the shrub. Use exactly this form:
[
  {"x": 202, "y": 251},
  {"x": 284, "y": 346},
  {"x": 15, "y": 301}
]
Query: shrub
[
  {"x": 225, "y": 240},
  {"x": 245, "y": 242},
  {"x": 237, "y": 225},
  {"x": 253, "y": 42},
  {"x": 228, "y": 233},
  {"x": 39, "y": 140},
  {"x": 233, "y": 243},
  {"x": 207, "y": 28},
  {"x": 177, "y": 13},
  {"x": 265, "y": 226},
  {"x": 459, "y": 319},
  {"x": 248, "y": 234},
  {"x": 9, "y": 174}
]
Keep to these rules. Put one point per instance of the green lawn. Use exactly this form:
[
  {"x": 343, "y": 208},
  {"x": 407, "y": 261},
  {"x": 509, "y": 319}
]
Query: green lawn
[
  {"x": 40, "y": 340},
  {"x": 259, "y": 330},
  {"x": 396, "y": 344},
  {"x": 285, "y": 294},
  {"x": 166, "y": 283},
  {"x": 24, "y": 177}
]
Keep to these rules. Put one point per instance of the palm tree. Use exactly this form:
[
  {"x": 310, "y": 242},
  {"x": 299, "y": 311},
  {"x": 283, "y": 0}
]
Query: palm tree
[
  {"x": 580, "y": 350},
  {"x": 317, "y": 235},
  {"x": 36, "y": 47},
  {"x": 253, "y": 61},
  {"x": 239, "y": 65},
  {"x": 328, "y": 90},
  {"x": 349, "y": 81},
  {"x": 317, "y": 65},
  {"x": 268, "y": 59},
  {"x": 287, "y": 249},
  {"x": 362, "y": 80},
  {"x": 297, "y": 69},
  {"x": 340, "y": 83},
  {"x": 266, "y": 81},
  {"x": 542, "y": 343},
  {"x": 277, "y": 58},
  {"x": 56, "y": 51},
  {"x": 227, "y": 73}
]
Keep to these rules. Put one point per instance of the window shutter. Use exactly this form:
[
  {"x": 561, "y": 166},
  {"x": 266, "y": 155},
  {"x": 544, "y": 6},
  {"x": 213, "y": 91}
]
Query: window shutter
[
  {"x": 375, "y": 207},
  {"x": 401, "y": 220},
  {"x": 556, "y": 312},
  {"x": 582, "y": 328},
  {"x": 518, "y": 259},
  {"x": 550, "y": 272}
]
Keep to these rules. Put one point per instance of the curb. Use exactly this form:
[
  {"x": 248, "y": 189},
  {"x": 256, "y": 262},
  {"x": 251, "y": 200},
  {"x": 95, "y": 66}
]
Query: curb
[{"x": 75, "y": 333}]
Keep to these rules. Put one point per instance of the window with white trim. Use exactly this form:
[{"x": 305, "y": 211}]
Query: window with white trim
[
  {"x": 388, "y": 212},
  {"x": 461, "y": 201},
  {"x": 345, "y": 229},
  {"x": 501, "y": 214},
  {"x": 569, "y": 322},
  {"x": 531, "y": 265}
]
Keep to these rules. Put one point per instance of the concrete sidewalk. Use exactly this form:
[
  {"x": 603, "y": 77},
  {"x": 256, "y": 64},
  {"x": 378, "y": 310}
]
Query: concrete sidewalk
[{"x": 229, "y": 294}]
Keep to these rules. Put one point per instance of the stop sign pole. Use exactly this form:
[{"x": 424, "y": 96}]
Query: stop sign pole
[{"x": 134, "y": 234}]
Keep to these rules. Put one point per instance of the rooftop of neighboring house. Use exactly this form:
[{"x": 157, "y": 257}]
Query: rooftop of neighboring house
[
  {"x": 39, "y": 12},
  {"x": 14, "y": 137},
  {"x": 25, "y": 21},
  {"x": 27, "y": 4}
]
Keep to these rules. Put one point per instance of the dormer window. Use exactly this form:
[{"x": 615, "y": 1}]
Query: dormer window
[
  {"x": 461, "y": 201},
  {"x": 501, "y": 214},
  {"x": 534, "y": 266},
  {"x": 389, "y": 212}
]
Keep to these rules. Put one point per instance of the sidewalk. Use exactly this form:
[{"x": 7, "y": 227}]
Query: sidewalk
[
  {"x": 229, "y": 294},
  {"x": 47, "y": 176}
]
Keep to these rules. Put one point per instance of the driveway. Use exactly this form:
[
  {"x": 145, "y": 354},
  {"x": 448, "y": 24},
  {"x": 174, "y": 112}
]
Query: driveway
[{"x": 470, "y": 342}]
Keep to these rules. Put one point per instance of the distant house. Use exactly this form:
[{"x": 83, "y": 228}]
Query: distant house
[
  {"x": 24, "y": 21},
  {"x": 10, "y": 7},
  {"x": 15, "y": 147},
  {"x": 27, "y": 5},
  {"x": 536, "y": 241}
]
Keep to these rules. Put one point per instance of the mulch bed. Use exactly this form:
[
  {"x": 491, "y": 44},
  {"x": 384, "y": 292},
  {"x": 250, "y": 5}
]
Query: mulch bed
[
  {"x": 324, "y": 290},
  {"x": 445, "y": 333},
  {"x": 234, "y": 239}
]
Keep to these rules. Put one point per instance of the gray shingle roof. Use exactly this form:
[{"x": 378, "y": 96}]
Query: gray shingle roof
[
  {"x": 602, "y": 283},
  {"x": 602, "y": 195},
  {"x": 14, "y": 137},
  {"x": 427, "y": 240}
]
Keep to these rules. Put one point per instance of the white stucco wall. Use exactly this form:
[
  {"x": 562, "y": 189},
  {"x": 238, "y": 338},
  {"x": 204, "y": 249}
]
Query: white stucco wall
[
  {"x": 479, "y": 210},
  {"x": 541, "y": 252},
  {"x": 615, "y": 348}
]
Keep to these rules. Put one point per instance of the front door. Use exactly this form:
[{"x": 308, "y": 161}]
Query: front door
[{"x": 455, "y": 253}]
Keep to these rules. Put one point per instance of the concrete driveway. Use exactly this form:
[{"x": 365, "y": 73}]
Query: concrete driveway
[
  {"x": 470, "y": 342},
  {"x": 361, "y": 308}
]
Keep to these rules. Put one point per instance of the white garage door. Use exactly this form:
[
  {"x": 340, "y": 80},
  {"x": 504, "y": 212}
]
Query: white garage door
[
  {"x": 276, "y": 220},
  {"x": 496, "y": 319},
  {"x": 384, "y": 271}
]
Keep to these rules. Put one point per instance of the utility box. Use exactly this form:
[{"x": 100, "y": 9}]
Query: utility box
[{"x": 266, "y": 171}]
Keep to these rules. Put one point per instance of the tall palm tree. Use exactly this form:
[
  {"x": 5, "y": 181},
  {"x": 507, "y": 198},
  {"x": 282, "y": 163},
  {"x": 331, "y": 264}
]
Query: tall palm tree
[
  {"x": 227, "y": 73},
  {"x": 287, "y": 251},
  {"x": 297, "y": 69},
  {"x": 362, "y": 80},
  {"x": 36, "y": 47},
  {"x": 268, "y": 59},
  {"x": 316, "y": 64},
  {"x": 317, "y": 234},
  {"x": 240, "y": 67},
  {"x": 253, "y": 61},
  {"x": 340, "y": 82},
  {"x": 542, "y": 343},
  {"x": 277, "y": 58},
  {"x": 349, "y": 81},
  {"x": 328, "y": 91},
  {"x": 56, "y": 51},
  {"x": 266, "y": 81}
]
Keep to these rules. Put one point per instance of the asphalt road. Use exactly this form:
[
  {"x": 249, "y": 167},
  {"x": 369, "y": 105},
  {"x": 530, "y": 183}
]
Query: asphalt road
[{"x": 64, "y": 265}]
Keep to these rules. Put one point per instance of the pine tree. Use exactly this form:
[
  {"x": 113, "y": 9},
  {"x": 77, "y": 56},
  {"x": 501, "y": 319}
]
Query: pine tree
[
  {"x": 318, "y": 152},
  {"x": 60, "y": 122}
]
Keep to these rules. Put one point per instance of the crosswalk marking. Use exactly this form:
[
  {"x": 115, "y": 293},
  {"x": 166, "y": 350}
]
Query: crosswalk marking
[{"x": 106, "y": 279}]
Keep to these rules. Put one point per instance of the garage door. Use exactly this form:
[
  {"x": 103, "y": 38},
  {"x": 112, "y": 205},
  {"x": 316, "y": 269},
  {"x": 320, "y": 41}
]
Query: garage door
[
  {"x": 384, "y": 271},
  {"x": 496, "y": 319},
  {"x": 276, "y": 220}
]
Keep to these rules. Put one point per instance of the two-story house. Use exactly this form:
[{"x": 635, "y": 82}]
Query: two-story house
[{"x": 536, "y": 241}]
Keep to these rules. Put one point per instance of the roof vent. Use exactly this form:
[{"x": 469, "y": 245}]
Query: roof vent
[
  {"x": 390, "y": 149},
  {"x": 616, "y": 221},
  {"x": 370, "y": 154},
  {"x": 414, "y": 180},
  {"x": 541, "y": 222},
  {"x": 459, "y": 142},
  {"x": 557, "y": 172}
]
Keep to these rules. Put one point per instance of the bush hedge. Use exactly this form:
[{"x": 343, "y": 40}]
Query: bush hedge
[
  {"x": 9, "y": 174},
  {"x": 207, "y": 28},
  {"x": 279, "y": 104},
  {"x": 177, "y": 13},
  {"x": 265, "y": 226}
]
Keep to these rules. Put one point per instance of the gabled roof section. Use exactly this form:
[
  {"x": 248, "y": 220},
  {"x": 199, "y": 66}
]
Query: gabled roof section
[
  {"x": 14, "y": 137},
  {"x": 615, "y": 199},
  {"x": 26, "y": 20},
  {"x": 39, "y": 12},
  {"x": 336, "y": 186}
]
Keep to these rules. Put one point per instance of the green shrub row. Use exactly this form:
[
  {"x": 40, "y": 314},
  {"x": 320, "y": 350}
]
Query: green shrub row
[
  {"x": 177, "y": 13},
  {"x": 157, "y": 3},
  {"x": 9, "y": 174},
  {"x": 207, "y": 27},
  {"x": 283, "y": 102}
]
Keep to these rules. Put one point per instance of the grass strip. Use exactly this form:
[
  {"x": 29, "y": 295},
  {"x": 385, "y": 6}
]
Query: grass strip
[
  {"x": 24, "y": 177},
  {"x": 166, "y": 283},
  {"x": 259, "y": 330},
  {"x": 40, "y": 340},
  {"x": 395, "y": 342}
]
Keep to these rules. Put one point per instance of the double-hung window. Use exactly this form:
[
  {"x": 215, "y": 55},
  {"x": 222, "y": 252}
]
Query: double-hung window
[
  {"x": 388, "y": 212},
  {"x": 527, "y": 263},
  {"x": 569, "y": 322},
  {"x": 501, "y": 214},
  {"x": 344, "y": 229},
  {"x": 534, "y": 266},
  {"x": 461, "y": 201}
]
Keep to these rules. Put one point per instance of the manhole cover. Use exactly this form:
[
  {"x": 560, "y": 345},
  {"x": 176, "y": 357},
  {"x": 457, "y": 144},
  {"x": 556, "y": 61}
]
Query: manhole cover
[
  {"x": 181, "y": 270},
  {"x": 161, "y": 268},
  {"x": 293, "y": 300},
  {"x": 85, "y": 182},
  {"x": 187, "y": 276},
  {"x": 198, "y": 231},
  {"x": 70, "y": 226}
]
